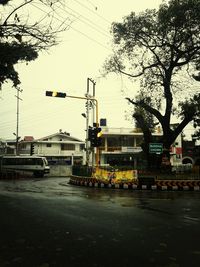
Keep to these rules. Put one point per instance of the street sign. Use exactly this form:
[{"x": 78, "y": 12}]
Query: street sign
[
  {"x": 130, "y": 149},
  {"x": 155, "y": 147}
]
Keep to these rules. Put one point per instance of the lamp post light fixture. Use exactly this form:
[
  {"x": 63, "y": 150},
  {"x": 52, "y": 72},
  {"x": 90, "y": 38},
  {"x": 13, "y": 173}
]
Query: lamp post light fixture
[
  {"x": 84, "y": 115},
  {"x": 17, "y": 143}
]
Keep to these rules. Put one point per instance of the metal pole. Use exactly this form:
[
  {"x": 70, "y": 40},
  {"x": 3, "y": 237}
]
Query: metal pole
[
  {"x": 97, "y": 118},
  {"x": 87, "y": 124},
  {"x": 93, "y": 116},
  {"x": 17, "y": 126},
  {"x": 97, "y": 125},
  {"x": 93, "y": 120}
]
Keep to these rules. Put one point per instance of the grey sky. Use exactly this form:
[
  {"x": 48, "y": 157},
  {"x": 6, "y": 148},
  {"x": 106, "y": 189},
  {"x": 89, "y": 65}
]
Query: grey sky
[{"x": 66, "y": 67}]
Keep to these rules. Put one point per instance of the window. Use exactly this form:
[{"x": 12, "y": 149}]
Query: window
[
  {"x": 23, "y": 146},
  {"x": 139, "y": 141},
  {"x": 118, "y": 141},
  {"x": 113, "y": 141},
  {"x": 82, "y": 146},
  {"x": 48, "y": 145},
  {"x": 127, "y": 140},
  {"x": 67, "y": 147}
]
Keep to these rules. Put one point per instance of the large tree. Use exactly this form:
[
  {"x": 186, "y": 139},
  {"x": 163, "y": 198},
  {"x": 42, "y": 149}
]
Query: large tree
[
  {"x": 158, "y": 46},
  {"x": 26, "y": 27}
]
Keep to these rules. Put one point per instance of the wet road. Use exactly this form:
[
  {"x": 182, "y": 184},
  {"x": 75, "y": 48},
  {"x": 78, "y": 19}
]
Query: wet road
[{"x": 47, "y": 222}]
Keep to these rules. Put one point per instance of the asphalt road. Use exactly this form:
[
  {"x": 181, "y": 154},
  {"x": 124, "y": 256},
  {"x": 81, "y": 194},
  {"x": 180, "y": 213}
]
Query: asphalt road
[{"x": 47, "y": 222}]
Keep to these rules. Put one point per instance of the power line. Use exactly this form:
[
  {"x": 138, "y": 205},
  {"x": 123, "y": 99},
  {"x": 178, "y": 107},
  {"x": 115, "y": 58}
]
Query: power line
[
  {"x": 92, "y": 4},
  {"x": 91, "y": 26},
  {"x": 102, "y": 31},
  {"x": 107, "y": 21},
  {"x": 92, "y": 39},
  {"x": 84, "y": 34}
]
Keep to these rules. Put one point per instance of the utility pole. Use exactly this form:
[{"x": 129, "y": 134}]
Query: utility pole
[
  {"x": 88, "y": 98},
  {"x": 17, "y": 126},
  {"x": 87, "y": 126},
  {"x": 93, "y": 111}
]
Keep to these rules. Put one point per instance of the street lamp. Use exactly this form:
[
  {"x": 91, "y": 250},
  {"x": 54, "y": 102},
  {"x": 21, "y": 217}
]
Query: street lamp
[
  {"x": 16, "y": 142},
  {"x": 83, "y": 114}
]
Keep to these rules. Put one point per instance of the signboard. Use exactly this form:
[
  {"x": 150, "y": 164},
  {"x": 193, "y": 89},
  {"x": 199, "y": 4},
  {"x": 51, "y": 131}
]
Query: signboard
[
  {"x": 155, "y": 147},
  {"x": 127, "y": 149}
]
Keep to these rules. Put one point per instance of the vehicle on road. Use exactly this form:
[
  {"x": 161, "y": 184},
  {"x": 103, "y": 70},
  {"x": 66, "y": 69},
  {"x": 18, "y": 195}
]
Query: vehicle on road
[{"x": 38, "y": 166}]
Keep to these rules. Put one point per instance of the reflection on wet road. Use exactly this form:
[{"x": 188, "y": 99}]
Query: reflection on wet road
[{"x": 48, "y": 222}]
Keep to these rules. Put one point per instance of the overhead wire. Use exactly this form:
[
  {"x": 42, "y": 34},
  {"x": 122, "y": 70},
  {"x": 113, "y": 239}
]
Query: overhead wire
[
  {"x": 92, "y": 23},
  {"x": 25, "y": 119},
  {"x": 107, "y": 21},
  {"x": 80, "y": 32},
  {"x": 92, "y": 4}
]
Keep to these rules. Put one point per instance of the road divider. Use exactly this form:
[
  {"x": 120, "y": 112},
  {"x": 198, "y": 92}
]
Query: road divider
[{"x": 138, "y": 184}]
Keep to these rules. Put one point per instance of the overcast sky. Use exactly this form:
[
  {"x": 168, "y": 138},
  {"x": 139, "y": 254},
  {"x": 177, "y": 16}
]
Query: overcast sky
[{"x": 65, "y": 68}]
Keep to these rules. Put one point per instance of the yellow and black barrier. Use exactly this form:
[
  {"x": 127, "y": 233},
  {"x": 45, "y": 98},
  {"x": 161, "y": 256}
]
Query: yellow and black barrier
[
  {"x": 115, "y": 176},
  {"x": 136, "y": 184},
  {"x": 180, "y": 184}
]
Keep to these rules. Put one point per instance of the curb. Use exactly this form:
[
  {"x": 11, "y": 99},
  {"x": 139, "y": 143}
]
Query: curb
[{"x": 158, "y": 186}]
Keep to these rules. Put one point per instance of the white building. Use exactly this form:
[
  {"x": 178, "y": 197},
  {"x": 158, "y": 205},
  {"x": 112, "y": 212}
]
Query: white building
[
  {"x": 59, "y": 148},
  {"x": 122, "y": 146}
]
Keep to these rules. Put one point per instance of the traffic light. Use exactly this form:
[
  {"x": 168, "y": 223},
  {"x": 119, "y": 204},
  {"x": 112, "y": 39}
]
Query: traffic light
[
  {"x": 55, "y": 94},
  {"x": 94, "y": 136},
  {"x": 32, "y": 149},
  {"x": 99, "y": 136}
]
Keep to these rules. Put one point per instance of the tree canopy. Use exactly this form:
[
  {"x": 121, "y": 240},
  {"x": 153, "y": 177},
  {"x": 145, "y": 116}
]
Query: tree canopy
[
  {"x": 158, "y": 46},
  {"x": 26, "y": 27}
]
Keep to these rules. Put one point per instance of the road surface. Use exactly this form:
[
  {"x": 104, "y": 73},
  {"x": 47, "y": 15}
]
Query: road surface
[{"x": 47, "y": 222}]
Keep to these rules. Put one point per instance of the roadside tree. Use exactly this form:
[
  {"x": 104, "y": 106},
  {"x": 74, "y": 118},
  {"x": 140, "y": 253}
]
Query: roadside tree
[
  {"x": 160, "y": 47},
  {"x": 26, "y": 28}
]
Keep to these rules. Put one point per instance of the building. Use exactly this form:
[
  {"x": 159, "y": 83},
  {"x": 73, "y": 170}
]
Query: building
[
  {"x": 122, "y": 146},
  {"x": 59, "y": 148},
  {"x": 191, "y": 152},
  {"x": 176, "y": 151},
  {"x": 7, "y": 146}
]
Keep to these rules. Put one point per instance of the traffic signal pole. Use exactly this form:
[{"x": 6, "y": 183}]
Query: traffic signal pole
[
  {"x": 89, "y": 80},
  {"x": 97, "y": 122},
  {"x": 88, "y": 98},
  {"x": 63, "y": 95}
]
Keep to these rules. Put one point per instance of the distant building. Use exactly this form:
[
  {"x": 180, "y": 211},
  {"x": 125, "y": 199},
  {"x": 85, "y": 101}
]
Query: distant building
[
  {"x": 59, "y": 148},
  {"x": 176, "y": 151},
  {"x": 7, "y": 146},
  {"x": 191, "y": 152},
  {"x": 122, "y": 146}
]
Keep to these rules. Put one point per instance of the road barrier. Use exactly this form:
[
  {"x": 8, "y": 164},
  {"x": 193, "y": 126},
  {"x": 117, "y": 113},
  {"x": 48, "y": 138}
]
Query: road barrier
[
  {"x": 139, "y": 184},
  {"x": 115, "y": 176}
]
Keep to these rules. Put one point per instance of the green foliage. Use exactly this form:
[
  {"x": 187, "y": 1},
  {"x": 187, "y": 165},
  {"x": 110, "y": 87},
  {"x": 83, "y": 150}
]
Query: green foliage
[
  {"x": 11, "y": 54},
  {"x": 141, "y": 116},
  {"x": 23, "y": 36},
  {"x": 4, "y": 2},
  {"x": 191, "y": 108},
  {"x": 156, "y": 46}
]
